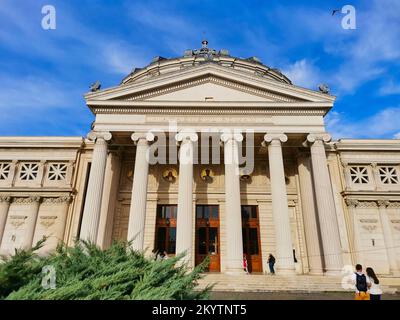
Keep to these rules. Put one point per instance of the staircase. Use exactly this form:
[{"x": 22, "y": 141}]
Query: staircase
[{"x": 286, "y": 283}]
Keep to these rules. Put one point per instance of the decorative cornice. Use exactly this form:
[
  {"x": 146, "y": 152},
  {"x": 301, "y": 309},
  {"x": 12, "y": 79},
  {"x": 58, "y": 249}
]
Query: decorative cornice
[
  {"x": 394, "y": 205},
  {"x": 201, "y": 110},
  {"x": 210, "y": 79},
  {"x": 382, "y": 203},
  {"x": 367, "y": 204}
]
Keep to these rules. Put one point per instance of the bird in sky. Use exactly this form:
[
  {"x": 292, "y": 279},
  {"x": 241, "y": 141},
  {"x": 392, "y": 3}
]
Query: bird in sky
[{"x": 334, "y": 11}]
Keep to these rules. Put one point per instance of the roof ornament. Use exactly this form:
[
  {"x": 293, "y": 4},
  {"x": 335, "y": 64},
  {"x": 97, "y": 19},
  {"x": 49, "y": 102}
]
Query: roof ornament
[
  {"x": 95, "y": 86},
  {"x": 324, "y": 88}
]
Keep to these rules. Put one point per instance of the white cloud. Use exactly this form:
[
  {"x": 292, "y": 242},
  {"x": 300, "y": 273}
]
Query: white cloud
[
  {"x": 303, "y": 73},
  {"x": 397, "y": 136},
  {"x": 384, "y": 124},
  {"x": 390, "y": 88}
]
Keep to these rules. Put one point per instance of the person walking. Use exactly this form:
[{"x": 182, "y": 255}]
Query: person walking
[
  {"x": 271, "y": 263},
  {"x": 361, "y": 283},
  {"x": 245, "y": 264},
  {"x": 375, "y": 292}
]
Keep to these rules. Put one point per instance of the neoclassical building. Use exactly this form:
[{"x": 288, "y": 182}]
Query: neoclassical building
[{"x": 209, "y": 154}]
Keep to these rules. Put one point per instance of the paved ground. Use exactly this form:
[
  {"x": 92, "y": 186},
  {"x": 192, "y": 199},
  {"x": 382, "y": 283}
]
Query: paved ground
[{"x": 290, "y": 296}]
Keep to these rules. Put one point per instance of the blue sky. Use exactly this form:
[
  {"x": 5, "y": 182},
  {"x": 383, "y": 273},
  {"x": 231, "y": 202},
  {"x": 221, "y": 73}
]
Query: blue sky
[{"x": 44, "y": 73}]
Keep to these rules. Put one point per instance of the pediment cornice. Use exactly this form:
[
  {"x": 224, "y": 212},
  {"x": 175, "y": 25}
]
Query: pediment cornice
[{"x": 239, "y": 80}]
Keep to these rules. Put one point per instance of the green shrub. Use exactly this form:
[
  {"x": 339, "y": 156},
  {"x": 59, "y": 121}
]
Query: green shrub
[{"x": 86, "y": 272}]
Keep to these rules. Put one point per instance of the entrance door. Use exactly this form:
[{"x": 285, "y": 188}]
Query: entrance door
[
  {"x": 207, "y": 236},
  {"x": 251, "y": 238},
  {"x": 166, "y": 229}
]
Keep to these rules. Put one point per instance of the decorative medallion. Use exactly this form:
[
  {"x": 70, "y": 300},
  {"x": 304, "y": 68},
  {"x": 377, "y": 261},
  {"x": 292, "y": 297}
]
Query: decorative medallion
[
  {"x": 47, "y": 221},
  {"x": 170, "y": 175},
  {"x": 207, "y": 175},
  {"x": 17, "y": 220}
]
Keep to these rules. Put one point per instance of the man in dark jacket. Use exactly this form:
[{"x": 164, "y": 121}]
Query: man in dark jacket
[{"x": 271, "y": 262}]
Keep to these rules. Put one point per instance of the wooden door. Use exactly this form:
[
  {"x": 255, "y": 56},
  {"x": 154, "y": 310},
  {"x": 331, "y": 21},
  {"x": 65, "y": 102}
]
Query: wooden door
[
  {"x": 207, "y": 236},
  {"x": 251, "y": 238}
]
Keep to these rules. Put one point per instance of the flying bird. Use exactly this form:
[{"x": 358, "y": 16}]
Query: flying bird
[{"x": 334, "y": 11}]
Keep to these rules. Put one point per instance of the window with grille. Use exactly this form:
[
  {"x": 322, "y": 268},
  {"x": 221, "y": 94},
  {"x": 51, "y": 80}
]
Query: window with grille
[
  {"x": 29, "y": 171},
  {"x": 359, "y": 175},
  {"x": 57, "y": 171},
  {"x": 388, "y": 175},
  {"x": 5, "y": 169}
]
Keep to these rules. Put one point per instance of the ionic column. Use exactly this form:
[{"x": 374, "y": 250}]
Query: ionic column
[
  {"x": 352, "y": 207},
  {"x": 325, "y": 204},
  {"x": 137, "y": 212},
  {"x": 309, "y": 215},
  {"x": 387, "y": 236},
  {"x": 91, "y": 212},
  {"x": 184, "y": 223},
  {"x": 4, "y": 206},
  {"x": 233, "y": 215},
  {"x": 280, "y": 211}
]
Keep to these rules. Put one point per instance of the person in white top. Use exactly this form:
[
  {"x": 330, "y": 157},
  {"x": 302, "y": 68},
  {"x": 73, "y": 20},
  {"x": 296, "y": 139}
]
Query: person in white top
[
  {"x": 375, "y": 291},
  {"x": 361, "y": 283}
]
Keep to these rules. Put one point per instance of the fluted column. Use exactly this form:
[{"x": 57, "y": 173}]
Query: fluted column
[
  {"x": 91, "y": 212},
  {"x": 137, "y": 212},
  {"x": 280, "y": 211},
  {"x": 233, "y": 215},
  {"x": 4, "y": 206},
  {"x": 184, "y": 223},
  {"x": 387, "y": 235},
  {"x": 309, "y": 215},
  {"x": 352, "y": 207},
  {"x": 325, "y": 204}
]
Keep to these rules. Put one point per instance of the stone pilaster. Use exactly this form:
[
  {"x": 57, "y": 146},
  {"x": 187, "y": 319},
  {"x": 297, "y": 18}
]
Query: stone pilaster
[
  {"x": 233, "y": 215},
  {"x": 309, "y": 211},
  {"x": 280, "y": 211},
  {"x": 388, "y": 236},
  {"x": 184, "y": 228},
  {"x": 137, "y": 212},
  {"x": 4, "y": 206},
  {"x": 325, "y": 204},
  {"x": 32, "y": 209},
  {"x": 91, "y": 212},
  {"x": 352, "y": 207}
]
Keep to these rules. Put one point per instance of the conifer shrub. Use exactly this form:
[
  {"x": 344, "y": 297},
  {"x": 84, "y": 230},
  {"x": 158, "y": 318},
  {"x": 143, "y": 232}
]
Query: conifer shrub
[{"x": 86, "y": 272}]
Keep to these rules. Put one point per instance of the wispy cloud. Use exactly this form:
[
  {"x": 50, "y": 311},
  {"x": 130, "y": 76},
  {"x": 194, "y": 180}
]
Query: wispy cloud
[
  {"x": 303, "y": 73},
  {"x": 384, "y": 124},
  {"x": 389, "y": 88}
]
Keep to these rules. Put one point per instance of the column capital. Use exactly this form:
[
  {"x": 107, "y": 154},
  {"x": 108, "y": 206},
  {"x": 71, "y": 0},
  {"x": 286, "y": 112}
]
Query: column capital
[
  {"x": 269, "y": 137},
  {"x": 382, "y": 203},
  {"x": 323, "y": 136},
  {"x": 186, "y": 135},
  {"x": 5, "y": 198},
  {"x": 229, "y": 135},
  {"x": 352, "y": 202},
  {"x": 94, "y": 135},
  {"x": 137, "y": 136}
]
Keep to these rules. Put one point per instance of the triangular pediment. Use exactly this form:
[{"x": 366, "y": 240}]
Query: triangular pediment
[{"x": 208, "y": 83}]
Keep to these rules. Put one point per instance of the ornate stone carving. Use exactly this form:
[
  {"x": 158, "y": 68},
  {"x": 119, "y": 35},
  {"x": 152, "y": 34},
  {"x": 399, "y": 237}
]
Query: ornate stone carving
[
  {"x": 269, "y": 137},
  {"x": 383, "y": 203},
  {"x": 324, "y": 137},
  {"x": 352, "y": 202},
  {"x": 369, "y": 227},
  {"x": 170, "y": 175},
  {"x": 28, "y": 200},
  {"x": 207, "y": 175},
  {"x": 59, "y": 200},
  {"x": 148, "y": 136},
  {"x": 17, "y": 220},
  {"x": 229, "y": 135},
  {"x": 189, "y": 135},
  {"x": 95, "y": 135},
  {"x": 5, "y": 198},
  {"x": 368, "y": 204},
  {"x": 47, "y": 221},
  {"x": 368, "y": 220},
  {"x": 394, "y": 205}
]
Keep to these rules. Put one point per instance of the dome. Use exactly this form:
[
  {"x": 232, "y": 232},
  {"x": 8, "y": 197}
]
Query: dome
[{"x": 192, "y": 58}]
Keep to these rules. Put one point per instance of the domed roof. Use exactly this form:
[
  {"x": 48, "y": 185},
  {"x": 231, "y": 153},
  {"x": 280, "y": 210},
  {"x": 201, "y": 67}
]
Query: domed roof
[{"x": 191, "y": 58}]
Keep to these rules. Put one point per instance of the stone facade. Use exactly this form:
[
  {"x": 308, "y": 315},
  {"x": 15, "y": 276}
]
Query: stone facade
[{"x": 315, "y": 204}]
